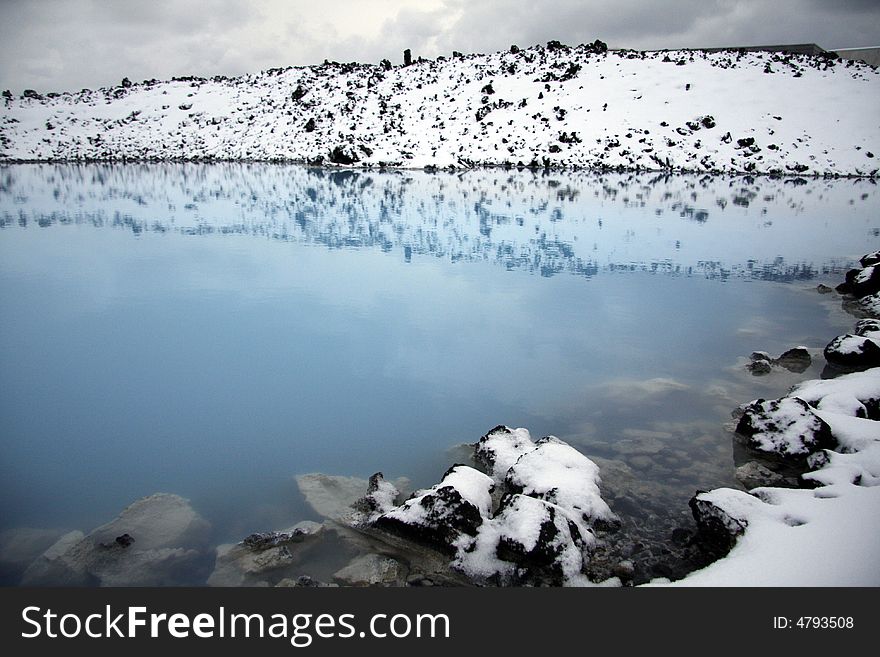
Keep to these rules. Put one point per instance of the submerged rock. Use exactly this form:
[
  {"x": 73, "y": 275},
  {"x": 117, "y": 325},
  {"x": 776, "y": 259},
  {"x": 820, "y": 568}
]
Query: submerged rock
[
  {"x": 20, "y": 546},
  {"x": 796, "y": 360},
  {"x": 263, "y": 557},
  {"x": 754, "y": 474},
  {"x": 157, "y": 541},
  {"x": 759, "y": 367},
  {"x": 340, "y": 498},
  {"x": 372, "y": 570}
]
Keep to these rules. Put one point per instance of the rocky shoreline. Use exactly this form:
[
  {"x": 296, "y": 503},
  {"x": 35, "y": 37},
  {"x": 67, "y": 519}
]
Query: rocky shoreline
[{"x": 520, "y": 512}]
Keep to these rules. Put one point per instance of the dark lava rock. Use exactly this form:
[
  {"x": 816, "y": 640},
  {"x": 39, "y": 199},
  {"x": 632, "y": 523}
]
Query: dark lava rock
[
  {"x": 870, "y": 259},
  {"x": 824, "y": 289},
  {"x": 853, "y": 352},
  {"x": 795, "y": 360},
  {"x": 787, "y": 427},
  {"x": 486, "y": 448},
  {"x": 597, "y": 47},
  {"x": 718, "y": 531},
  {"x": 343, "y": 155},
  {"x": 861, "y": 282},
  {"x": 310, "y": 125},
  {"x": 123, "y": 541},
  {"x": 438, "y": 517},
  {"x": 759, "y": 367},
  {"x": 542, "y": 560},
  {"x": 299, "y": 92},
  {"x": 381, "y": 496},
  {"x": 868, "y": 327},
  {"x": 680, "y": 536}
]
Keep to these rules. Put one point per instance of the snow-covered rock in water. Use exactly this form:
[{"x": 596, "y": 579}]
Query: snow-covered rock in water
[
  {"x": 381, "y": 496},
  {"x": 500, "y": 448},
  {"x": 868, "y": 328},
  {"x": 853, "y": 352},
  {"x": 158, "y": 540},
  {"x": 787, "y": 427},
  {"x": 372, "y": 570},
  {"x": 529, "y": 541},
  {"x": 856, "y": 394},
  {"x": 442, "y": 514},
  {"x": 869, "y": 305},
  {"x": 861, "y": 282},
  {"x": 720, "y": 522},
  {"x": 556, "y": 472},
  {"x": 542, "y": 531},
  {"x": 870, "y": 259},
  {"x": 262, "y": 558}
]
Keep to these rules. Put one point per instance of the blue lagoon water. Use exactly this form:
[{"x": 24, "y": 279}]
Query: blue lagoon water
[{"x": 214, "y": 330}]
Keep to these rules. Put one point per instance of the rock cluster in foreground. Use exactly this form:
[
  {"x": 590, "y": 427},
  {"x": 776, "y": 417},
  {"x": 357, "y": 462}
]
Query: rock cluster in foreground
[{"x": 530, "y": 519}]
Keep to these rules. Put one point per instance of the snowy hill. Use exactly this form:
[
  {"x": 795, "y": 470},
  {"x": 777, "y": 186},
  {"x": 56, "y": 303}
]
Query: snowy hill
[{"x": 554, "y": 106}]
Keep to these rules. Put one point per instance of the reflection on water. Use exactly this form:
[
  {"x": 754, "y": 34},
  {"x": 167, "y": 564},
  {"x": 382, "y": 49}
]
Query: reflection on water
[
  {"x": 540, "y": 222},
  {"x": 212, "y": 330}
]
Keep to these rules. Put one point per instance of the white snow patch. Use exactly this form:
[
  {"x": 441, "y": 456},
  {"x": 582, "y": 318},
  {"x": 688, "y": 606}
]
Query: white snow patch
[{"x": 558, "y": 473}]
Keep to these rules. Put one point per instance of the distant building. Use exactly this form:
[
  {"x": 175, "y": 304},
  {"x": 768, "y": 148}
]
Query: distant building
[
  {"x": 870, "y": 55},
  {"x": 794, "y": 48}
]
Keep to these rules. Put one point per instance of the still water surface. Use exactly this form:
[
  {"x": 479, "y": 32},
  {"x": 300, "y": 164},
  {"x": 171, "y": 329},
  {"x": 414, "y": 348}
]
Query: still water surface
[{"x": 213, "y": 330}]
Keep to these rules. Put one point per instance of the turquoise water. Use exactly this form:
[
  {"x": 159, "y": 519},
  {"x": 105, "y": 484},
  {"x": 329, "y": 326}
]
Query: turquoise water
[{"x": 213, "y": 330}]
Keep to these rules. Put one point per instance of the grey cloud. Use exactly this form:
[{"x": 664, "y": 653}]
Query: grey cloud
[{"x": 55, "y": 45}]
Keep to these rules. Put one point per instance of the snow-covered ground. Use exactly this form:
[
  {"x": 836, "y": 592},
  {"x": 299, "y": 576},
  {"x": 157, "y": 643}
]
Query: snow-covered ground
[
  {"x": 823, "y": 536},
  {"x": 546, "y": 106}
]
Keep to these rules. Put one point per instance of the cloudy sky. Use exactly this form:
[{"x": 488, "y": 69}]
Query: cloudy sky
[{"x": 58, "y": 45}]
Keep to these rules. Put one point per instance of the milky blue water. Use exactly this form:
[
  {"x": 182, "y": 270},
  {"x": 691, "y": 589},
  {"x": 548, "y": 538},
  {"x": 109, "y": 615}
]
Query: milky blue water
[{"x": 213, "y": 330}]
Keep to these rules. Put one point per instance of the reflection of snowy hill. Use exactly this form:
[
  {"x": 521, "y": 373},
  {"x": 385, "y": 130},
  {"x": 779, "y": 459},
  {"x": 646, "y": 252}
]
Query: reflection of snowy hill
[
  {"x": 541, "y": 222},
  {"x": 547, "y": 106}
]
